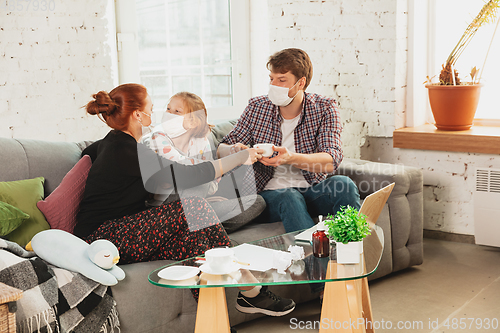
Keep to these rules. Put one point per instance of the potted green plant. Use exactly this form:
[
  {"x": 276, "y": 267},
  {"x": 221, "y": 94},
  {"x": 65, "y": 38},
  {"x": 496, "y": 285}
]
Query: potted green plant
[
  {"x": 453, "y": 102},
  {"x": 348, "y": 228}
]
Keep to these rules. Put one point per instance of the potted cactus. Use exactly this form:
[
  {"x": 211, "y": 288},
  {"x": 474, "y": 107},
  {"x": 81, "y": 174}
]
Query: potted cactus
[
  {"x": 454, "y": 102},
  {"x": 348, "y": 228}
]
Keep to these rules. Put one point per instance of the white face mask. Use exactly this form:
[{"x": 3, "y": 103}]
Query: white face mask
[
  {"x": 173, "y": 125},
  {"x": 279, "y": 95},
  {"x": 146, "y": 129}
]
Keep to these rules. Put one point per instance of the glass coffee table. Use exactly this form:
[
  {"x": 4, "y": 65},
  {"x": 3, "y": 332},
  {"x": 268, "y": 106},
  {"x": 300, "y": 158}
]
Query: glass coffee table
[{"x": 346, "y": 301}]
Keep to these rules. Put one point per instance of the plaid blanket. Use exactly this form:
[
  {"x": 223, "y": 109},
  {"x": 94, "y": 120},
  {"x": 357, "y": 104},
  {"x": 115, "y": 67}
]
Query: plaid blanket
[{"x": 55, "y": 299}]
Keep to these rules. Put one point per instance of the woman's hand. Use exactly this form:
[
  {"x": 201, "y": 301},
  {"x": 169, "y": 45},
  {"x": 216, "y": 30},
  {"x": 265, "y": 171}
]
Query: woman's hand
[{"x": 254, "y": 155}]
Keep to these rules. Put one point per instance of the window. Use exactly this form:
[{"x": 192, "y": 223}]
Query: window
[
  {"x": 434, "y": 28},
  {"x": 200, "y": 46}
]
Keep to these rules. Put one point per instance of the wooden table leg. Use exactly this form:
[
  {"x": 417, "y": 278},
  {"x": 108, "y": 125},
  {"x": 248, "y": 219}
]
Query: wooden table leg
[
  {"x": 367, "y": 306},
  {"x": 212, "y": 316},
  {"x": 345, "y": 305}
]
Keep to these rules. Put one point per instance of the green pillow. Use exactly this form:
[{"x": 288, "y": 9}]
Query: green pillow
[
  {"x": 24, "y": 194},
  {"x": 10, "y": 218}
]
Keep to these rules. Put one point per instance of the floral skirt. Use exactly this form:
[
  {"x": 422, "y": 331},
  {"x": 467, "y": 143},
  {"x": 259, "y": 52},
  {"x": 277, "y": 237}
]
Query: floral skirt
[{"x": 174, "y": 231}]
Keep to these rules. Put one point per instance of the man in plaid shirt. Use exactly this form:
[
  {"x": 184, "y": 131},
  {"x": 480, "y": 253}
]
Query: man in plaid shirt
[{"x": 305, "y": 130}]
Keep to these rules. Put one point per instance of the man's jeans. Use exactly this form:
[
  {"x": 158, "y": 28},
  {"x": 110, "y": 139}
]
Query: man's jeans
[{"x": 295, "y": 206}]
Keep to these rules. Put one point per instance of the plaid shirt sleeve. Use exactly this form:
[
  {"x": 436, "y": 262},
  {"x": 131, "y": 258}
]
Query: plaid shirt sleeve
[
  {"x": 329, "y": 139},
  {"x": 241, "y": 131}
]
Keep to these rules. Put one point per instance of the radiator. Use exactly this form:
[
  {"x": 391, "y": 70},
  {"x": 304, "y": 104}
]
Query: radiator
[{"x": 487, "y": 207}]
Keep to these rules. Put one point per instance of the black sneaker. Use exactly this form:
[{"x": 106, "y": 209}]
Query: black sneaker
[{"x": 265, "y": 302}]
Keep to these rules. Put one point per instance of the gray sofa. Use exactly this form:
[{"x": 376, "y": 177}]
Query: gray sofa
[{"x": 143, "y": 307}]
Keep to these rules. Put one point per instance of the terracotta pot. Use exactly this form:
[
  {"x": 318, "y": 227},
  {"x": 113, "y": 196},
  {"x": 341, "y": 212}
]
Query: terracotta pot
[{"x": 454, "y": 107}]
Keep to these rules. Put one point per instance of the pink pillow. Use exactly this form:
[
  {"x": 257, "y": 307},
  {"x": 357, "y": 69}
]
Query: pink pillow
[{"x": 62, "y": 205}]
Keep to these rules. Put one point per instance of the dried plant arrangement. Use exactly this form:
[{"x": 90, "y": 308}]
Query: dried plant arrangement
[{"x": 449, "y": 75}]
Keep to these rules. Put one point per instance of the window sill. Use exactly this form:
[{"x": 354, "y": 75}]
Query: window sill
[{"x": 478, "y": 139}]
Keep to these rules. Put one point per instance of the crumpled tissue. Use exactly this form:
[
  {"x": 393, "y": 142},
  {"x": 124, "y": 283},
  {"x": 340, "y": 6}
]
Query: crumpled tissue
[
  {"x": 282, "y": 260},
  {"x": 297, "y": 252}
]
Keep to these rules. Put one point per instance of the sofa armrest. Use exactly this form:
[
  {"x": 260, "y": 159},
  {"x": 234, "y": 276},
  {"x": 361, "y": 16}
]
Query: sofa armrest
[
  {"x": 403, "y": 221},
  {"x": 372, "y": 176}
]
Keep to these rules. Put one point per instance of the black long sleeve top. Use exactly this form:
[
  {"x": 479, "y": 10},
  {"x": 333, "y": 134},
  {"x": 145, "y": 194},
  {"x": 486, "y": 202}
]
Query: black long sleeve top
[{"x": 122, "y": 176}]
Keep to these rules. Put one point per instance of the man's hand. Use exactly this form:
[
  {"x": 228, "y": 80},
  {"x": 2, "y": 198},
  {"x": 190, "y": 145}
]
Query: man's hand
[{"x": 284, "y": 157}]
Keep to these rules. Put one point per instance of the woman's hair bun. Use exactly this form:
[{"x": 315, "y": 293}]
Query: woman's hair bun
[{"x": 102, "y": 103}]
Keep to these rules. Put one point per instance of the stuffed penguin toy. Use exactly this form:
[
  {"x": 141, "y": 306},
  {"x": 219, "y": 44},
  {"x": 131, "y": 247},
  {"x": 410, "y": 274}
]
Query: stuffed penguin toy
[{"x": 96, "y": 261}]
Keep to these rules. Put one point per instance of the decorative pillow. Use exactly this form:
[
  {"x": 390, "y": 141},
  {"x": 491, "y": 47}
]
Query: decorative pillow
[
  {"x": 62, "y": 205},
  {"x": 24, "y": 194},
  {"x": 10, "y": 218}
]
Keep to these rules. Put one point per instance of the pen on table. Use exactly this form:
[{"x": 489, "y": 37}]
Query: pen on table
[{"x": 238, "y": 262}]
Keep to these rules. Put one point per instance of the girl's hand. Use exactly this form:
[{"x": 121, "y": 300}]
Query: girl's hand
[{"x": 237, "y": 147}]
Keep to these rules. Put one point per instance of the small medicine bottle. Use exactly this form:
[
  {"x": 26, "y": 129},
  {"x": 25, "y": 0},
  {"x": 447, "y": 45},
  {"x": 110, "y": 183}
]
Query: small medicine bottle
[{"x": 320, "y": 241}]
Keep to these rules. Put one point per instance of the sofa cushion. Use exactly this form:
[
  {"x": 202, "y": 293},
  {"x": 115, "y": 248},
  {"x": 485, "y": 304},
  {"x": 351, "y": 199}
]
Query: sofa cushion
[
  {"x": 10, "y": 218},
  {"x": 24, "y": 194},
  {"x": 219, "y": 131},
  {"x": 62, "y": 205}
]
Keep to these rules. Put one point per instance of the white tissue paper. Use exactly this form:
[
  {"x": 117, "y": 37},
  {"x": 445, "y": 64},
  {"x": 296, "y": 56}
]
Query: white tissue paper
[
  {"x": 281, "y": 261},
  {"x": 297, "y": 252}
]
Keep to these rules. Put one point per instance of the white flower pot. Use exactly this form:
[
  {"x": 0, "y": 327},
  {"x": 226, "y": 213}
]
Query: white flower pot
[{"x": 349, "y": 253}]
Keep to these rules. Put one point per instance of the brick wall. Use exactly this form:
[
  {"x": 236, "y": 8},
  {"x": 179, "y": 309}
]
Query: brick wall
[
  {"x": 51, "y": 61},
  {"x": 358, "y": 49}
]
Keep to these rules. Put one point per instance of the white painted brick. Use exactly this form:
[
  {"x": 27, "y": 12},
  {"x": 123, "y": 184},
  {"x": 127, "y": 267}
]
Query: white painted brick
[
  {"x": 349, "y": 79},
  {"x": 388, "y": 45},
  {"x": 67, "y": 35},
  {"x": 34, "y": 36},
  {"x": 377, "y": 33},
  {"x": 18, "y": 50},
  {"x": 387, "y": 19},
  {"x": 4, "y": 106},
  {"x": 348, "y": 32},
  {"x": 9, "y": 20},
  {"x": 13, "y": 36},
  {"x": 379, "y": 6},
  {"x": 9, "y": 64},
  {"x": 28, "y": 22}
]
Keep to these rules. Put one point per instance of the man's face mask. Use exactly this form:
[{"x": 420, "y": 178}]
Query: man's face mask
[{"x": 279, "y": 95}]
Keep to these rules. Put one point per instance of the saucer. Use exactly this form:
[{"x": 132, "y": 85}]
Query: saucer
[
  {"x": 205, "y": 268},
  {"x": 188, "y": 282},
  {"x": 178, "y": 273}
]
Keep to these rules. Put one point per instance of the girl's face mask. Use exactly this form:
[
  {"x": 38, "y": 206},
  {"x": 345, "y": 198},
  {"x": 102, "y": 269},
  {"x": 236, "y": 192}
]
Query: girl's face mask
[{"x": 173, "y": 125}]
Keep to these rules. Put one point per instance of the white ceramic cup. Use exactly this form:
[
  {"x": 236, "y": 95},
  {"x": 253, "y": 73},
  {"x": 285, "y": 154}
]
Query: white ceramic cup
[
  {"x": 267, "y": 147},
  {"x": 220, "y": 259}
]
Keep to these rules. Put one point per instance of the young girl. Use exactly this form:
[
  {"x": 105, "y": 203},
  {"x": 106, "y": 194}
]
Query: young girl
[{"x": 185, "y": 136}]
